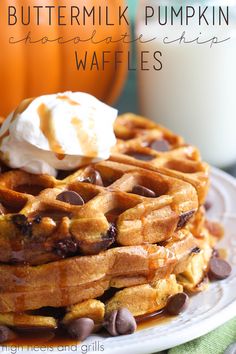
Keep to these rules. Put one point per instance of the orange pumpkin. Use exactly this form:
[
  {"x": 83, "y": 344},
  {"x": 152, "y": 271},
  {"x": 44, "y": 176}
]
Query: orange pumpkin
[{"x": 28, "y": 70}]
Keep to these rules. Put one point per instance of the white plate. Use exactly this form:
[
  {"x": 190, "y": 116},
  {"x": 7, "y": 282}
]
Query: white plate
[{"x": 206, "y": 311}]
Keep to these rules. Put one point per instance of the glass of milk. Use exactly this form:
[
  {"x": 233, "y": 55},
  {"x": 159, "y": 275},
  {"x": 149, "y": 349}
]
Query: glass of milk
[{"x": 186, "y": 59}]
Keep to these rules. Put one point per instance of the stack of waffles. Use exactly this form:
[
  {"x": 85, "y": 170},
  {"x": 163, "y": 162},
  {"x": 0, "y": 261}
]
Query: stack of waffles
[{"x": 129, "y": 232}]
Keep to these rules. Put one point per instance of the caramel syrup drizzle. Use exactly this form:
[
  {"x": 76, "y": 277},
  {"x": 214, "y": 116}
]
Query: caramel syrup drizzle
[
  {"x": 88, "y": 145},
  {"x": 69, "y": 100},
  {"x": 89, "y": 148},
  {"x": 48, "y": 129}
]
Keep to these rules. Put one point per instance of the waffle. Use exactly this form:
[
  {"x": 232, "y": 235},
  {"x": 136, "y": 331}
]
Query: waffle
[
  {"x": 31, "y": 287},
  {"x": 140, "y": 299},
  {"x": 116, "y": 248},
  {"x": 43, "y": 223},
  {"x": 173, "y": 158}
]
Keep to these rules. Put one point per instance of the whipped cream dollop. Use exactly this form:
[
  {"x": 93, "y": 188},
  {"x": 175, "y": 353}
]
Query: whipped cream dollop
[{"x": 57, "y": 132}]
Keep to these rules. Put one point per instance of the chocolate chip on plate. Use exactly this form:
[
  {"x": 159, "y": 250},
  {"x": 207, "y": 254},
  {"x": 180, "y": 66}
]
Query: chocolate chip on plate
[
  {"x": 143, "y": 191},
  {"x": 140, "y": 156},
  {"x": 120, "y": 322},
  {"x": 80, "y": 328},
  {"x": 219, "y": 269},
  {"x": 208, "y": 205},
  {"x": 160, "y": 145},
  {"x": 70, "y": 197},
  {"x": 6, "y": 334},
  {"x": 184, "y": 218},
  {"x": 177, "y": 303}
]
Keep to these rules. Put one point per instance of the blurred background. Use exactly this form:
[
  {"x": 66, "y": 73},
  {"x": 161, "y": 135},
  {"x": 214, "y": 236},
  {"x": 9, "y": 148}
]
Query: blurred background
[{"x": 194, "y": 93}]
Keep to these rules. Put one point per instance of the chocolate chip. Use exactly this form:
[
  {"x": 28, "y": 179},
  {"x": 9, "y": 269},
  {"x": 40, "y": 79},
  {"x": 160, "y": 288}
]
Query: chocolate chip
[
  {"x": 208, "y": 205},
  {"x": 160, "y": 145},
  {"x": 112, "y": 232},
  {"x": 80, "y": 328},
  {"x": 120, "y": 322},
  {"x": 66, "y": 248},
  {"x": 140, "y": 156},
  {"x": 96, "y": 178},
  {"x": 103, "y": 244},
  {"x": 85, "y": 180},
  {"x": 23, "y": 225},
  {"x": 19, "y": 219},
  {"x": 125, "y": 322},
  {"x": 6, "y": 334},
  {"x": 184, "y": 218},
  {"x": 110, "y": 323},
  {"x": 215, "y": 253},
  {"x": 143, "y": 191},
  {"x": 70, "y": 197},
  {"x": 196, "y": 250},
  {"x": 37, "y": 219},
  {"x": 177, "y": 303},
  {"x": 219, "y": 269}
]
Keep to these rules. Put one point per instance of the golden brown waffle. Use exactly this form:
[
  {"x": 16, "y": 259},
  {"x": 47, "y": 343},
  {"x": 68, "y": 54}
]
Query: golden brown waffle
[
  {"x": 42, "y": 228},
  {"x": 140, "y": 300},
  {"x": 75, "y": 279},
  {"x": 147, "y": 298},
  {"x": 54, "y": 253},
  {"x": 174, "y": 158}
]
